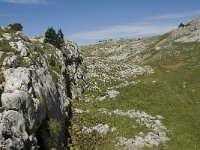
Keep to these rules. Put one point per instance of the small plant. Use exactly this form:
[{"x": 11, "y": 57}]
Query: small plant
[
  {"x": 79, "y": 60},
  {"x": 5, "y": 46},
  {"x": 52, "y": 61},
  {"x": 54, "y": 127},
  {"x": 54, "y": 77},
  {"x": 16, "y": 27},
  {"x": 89, "y": 141},
  {"x": 2, "y": 79}
]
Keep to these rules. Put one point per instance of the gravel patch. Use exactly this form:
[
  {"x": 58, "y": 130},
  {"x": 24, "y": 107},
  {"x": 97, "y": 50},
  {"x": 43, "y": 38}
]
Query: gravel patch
[
  {"x": 156, "y": 137},
  {"x": 112, "y": 93},
  {"x": 80, "y": 111},
  {"x": 7, "y": 36},
  {"x": 194, "y": 37},
  {"x": 100, "y": 128},
  {"x": 119, "y": 57}
]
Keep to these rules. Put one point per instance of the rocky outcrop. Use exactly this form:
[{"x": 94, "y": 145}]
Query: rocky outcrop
[{"x": 38, "y": 82}]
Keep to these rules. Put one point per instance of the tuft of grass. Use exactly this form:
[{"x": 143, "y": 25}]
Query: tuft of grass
[
  {"x": 1, "y": 33},
  {"x": 173, "y": 91},
  {"x": 2, "y": 78},
  {"x": 89, "y": 141},
  {"x": 54, "y": 127},
  {"x": 52, "y": 62},
  {"x": 40, "y": 98},
  {"x": 23, "y": 63},
  {"x": 54, "y": 76},
  {"x": 5, "y": 46}
]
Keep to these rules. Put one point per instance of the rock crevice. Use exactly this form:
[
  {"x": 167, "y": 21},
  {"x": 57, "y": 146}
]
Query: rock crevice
[{"x": 36, "y": 93}]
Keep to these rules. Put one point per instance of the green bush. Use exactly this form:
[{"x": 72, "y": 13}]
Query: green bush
[
  {"x": 181, "y": 25},
  {"x": 16, "y": 27}
]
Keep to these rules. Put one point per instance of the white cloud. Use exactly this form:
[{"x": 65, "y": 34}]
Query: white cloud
[
  {"x": 118, "y": 31},
  {"x": 174, "y": 15},
  {"x": 148, "y": 26},
  {"x": 24, "y": 1}
]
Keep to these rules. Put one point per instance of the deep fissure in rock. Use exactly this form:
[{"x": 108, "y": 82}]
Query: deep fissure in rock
[
  {"x": 68, "y": 85},
  {"x": 68, "y": 124},
  {"x": 41, "y": 132},
  {"x": 1, "y": 91}
]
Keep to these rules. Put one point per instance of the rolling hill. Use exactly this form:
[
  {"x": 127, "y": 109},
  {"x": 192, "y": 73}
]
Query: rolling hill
[{"x": 141, "y": 93}]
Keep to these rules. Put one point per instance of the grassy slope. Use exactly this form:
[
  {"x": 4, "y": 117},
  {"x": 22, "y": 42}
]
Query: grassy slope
[{"x": 175, "y": 95}]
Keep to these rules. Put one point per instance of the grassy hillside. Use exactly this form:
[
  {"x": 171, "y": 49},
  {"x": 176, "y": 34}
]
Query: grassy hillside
[{"x": 158, "y": 76}]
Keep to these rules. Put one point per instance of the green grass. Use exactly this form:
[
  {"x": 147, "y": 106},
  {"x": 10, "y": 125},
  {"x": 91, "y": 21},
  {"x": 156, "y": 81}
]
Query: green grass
[
  {"x": 54, "y": 127},
  {"x": 175, "y": 95},
  {"x": 5, "y": 46},
  {"x": 2, "y": 79},
  {"x": 23, "y": 63},
  {"x": 167, "y": 97},
  {"x": 54, "y": 69},
  {"x": 1, "y": 33},
  {"x": 54, "y": 76}
]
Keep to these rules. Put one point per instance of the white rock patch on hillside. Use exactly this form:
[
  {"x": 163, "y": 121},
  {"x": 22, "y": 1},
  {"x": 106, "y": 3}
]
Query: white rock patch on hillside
[
  {"x": 19, "y": 47},
  {"x": 100, "y": 128},
  {"x": 136, "y": 70},
  {"x": 109, "y": 94},
  {"x": 80, "y": 111},
  {"x": 112, "y": 93},
  {"x": 156, "y": 137},
  {"x": 194, "y": 37},
  {"x": 7, "y": 36},
  {"x": 119, "y": 57}
]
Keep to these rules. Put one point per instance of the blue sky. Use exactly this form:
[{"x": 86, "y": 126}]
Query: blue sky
[{"x": 88, "y": 21}]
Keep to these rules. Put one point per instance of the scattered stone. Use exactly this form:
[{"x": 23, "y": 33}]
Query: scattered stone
[
  {"x": 154, "y": 138},
  {"x": 100, "y": 128},
  {"x": 113, "y": 129},
  {"x": 7, "y": 36},
  {"x": 112, "y": 93},
  {"x": 80, "y": 111},
  {"x": 119, "y": 57},
  {"x": 194, "y": 37},
  {"x": 11, "y": 61},
  {"x": 103, "y": 98},
  {"x": 20, "y": 48}
]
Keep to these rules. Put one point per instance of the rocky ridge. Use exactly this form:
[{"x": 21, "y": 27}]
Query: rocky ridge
[{"x": 38, "y": 82}]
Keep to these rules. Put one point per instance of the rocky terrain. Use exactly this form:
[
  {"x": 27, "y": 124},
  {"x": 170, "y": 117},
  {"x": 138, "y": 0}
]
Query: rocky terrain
[
  {"x": 141, "y": 93},
  {"x": 37, "y": 84}
]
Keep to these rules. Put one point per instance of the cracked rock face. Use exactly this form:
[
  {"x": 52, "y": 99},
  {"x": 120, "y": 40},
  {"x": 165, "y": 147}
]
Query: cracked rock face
[
  {"x": 12, "y": 130},
  {"x": 36, "y": 96}
]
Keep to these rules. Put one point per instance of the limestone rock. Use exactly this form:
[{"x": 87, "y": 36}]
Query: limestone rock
[{"x": 35, "y": 103}]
